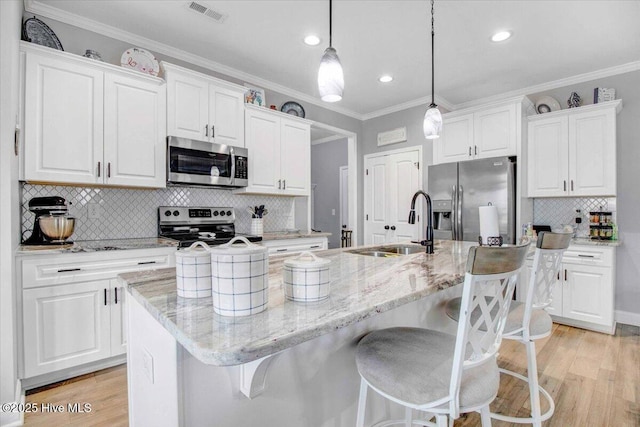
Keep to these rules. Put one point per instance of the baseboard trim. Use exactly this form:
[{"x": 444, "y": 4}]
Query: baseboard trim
[
  {"x": 14, "y": 419},
  {"x": 627, "y": 318}
]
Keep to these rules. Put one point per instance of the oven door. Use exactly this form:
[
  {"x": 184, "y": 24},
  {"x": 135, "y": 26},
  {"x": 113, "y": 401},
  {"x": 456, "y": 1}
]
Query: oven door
[{"x": 203, "y": 163}]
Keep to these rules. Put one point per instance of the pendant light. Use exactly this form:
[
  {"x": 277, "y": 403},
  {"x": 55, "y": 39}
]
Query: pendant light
[
  {"x": 432, "y": 125},
  {"x": 330, "y": 76}
]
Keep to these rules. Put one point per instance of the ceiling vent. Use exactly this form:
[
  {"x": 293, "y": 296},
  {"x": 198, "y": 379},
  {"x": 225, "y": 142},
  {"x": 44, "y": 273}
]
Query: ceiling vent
[{"x": 204, "y": 10}]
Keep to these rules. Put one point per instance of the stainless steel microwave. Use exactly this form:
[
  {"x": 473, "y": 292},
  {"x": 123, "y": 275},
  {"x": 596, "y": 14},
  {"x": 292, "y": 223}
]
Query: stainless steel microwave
[{"x": 191, "y": 162}]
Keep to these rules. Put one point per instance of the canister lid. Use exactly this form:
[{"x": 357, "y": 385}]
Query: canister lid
[
  {"x": 230, "y": 249},
  {"x": 307, "y": 259},
  {"x": 195, "y": 250}
]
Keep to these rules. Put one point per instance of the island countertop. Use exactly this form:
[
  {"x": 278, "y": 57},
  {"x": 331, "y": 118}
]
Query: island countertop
[{"x": 361, "y": 287}]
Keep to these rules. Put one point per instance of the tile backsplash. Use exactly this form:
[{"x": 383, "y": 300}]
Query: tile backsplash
[
  {"x": 559, "y": 211},
  {"x": 128, "y": 213}
]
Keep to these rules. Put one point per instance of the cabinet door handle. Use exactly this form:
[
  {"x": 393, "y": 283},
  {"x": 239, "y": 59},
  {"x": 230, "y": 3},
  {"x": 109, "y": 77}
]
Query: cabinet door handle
[
  {"x": 279, "y": 184},
  {"x": 475, "y": 150},
  {"x": 213, "y": 131},
  {"x": 565, "y": 274},
  {"x": 206, "y": 130},
  {"x": 558, "y": 275},
  {"x": 393, "y": 227},
  {"x": 105, "y": 296},
  {"x": 99, "y": 167},
  {"x": 65, "y": 270},
  {"x": 564, "y": 185},
  {"x": 469, "y": 151},
  {"x": 109, "y": 170},
  {"x": 116, "y": 291},
  {"x": 571, "y": 185},
  {"x": 586, "y": 256},
  {"x": 386, "y": 227},
  {"x": 284, "y": 184}
]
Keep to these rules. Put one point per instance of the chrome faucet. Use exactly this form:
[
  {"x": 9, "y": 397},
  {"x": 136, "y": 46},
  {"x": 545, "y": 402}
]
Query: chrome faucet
[{"x": 428, "y": 242}]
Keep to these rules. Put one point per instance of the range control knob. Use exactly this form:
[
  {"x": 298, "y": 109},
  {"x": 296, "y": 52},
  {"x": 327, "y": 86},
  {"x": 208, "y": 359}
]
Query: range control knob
[
  {"x": 229, "y": 213},
  {"x": 176, "y": 213},
  {"x": 222, "y": 213},
  {"x": 167, "y": 213},
  {"x": 216, "y": 213}
]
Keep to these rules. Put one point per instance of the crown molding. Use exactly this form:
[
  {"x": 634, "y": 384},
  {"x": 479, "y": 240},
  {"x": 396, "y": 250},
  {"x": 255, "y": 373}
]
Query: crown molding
[
  {"x": 555, "y": 84},
  {"x": 425, "y": 100},
  {"x": 46, "y": 10}
]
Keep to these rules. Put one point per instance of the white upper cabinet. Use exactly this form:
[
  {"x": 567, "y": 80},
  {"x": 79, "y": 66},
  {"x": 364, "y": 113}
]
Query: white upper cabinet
[
  {"x": 480, "y": 132},
  {"x": 86, "y": 122},
  {"x": 279, "y": 153},
  {"x": 204, "y": 108},
  {"x": 573, "y": 152}
]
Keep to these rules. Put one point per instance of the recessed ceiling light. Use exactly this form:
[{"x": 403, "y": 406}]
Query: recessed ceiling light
[
  {"x": 312, "y": 40},
  {"x": 500, "y": 36},
  {"x": 386, "y": 78}
]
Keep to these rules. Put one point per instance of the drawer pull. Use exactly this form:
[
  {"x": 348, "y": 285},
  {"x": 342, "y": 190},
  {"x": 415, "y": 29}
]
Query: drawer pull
[
  {"x": 315, "y": 247},
  {"x": 66, "y": 270},
  {"x": 146, "y": 262},
  {"x": 586, "y": 256},
  {"x": 282, "y": 250}
]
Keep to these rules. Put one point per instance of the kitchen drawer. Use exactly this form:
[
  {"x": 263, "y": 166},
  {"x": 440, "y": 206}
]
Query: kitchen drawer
[
  {"x": 71, "y": 268},
  {"x": 292, "y": 246},
  {"x": 600, "y": 256}
]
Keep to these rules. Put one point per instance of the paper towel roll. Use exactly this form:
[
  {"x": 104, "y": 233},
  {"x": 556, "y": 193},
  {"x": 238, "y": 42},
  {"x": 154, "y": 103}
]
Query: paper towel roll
[{"x": 488, "y": 223}]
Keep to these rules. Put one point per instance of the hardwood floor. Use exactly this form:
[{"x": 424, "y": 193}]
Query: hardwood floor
[{"x": 594, "y": 380}]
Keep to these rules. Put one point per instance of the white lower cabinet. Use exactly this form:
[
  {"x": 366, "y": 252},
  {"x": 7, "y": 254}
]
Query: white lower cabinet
[
  {"x": 294, "y": 246},
  {"x": 73, "y": 306},
  {"x": 584, "y": 289}
]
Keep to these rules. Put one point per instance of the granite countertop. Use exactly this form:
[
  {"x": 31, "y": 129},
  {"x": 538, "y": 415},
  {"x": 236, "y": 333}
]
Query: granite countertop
[
  {"x": 585, "y": 241},
  {"x": 83, "y": 246},
  {"x": 280, "y": 235},
  {"x": 361, "y": 287}
]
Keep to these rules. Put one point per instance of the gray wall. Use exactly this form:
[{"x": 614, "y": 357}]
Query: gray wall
[
  {"x": 627, "y": 88},
  {"x": 326, "y": 160}
]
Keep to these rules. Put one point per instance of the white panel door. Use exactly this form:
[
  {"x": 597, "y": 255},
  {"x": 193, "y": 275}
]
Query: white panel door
[
  {"x": 295, "y": 154},
  {"x": 118, "y": 319},
  {"x": 495, "y": 132},
  {"x": 377, "y": 227},
  {"x": 63, "y": 121},
  {"x": 548, "y": 158},
  {"x": 404, "y": 181},
  {"x": 65, "y": 326},
  {"x": 455, "y": 143},
  {"x": 592, "y": 153},
  {"x": 263, "y": 143},
  {"x": 134, "y": 134},
  {"x": 588, "y": 294},
  {"x": 187, "y": 106},
  {"x": 226, "y": 116}
]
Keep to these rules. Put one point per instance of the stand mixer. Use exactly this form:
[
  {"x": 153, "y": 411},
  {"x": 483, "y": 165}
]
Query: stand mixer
[{"x": 48, "y": 206}]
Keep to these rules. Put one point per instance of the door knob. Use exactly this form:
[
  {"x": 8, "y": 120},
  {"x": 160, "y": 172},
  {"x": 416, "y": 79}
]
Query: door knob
[
  {"x": 386, "y": 227},
  {"x": 393, "y": 227}
]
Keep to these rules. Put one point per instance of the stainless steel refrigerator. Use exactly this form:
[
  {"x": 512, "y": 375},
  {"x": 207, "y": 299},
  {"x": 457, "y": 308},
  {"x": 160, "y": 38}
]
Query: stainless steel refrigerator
[{"x": 457, "y": 190}]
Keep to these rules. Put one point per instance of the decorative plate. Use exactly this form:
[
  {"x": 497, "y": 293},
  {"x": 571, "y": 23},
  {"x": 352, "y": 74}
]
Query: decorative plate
[
  {"x": 547, "y": 104},
  {"x": 36, "y": 31},
  {"x": 140, "y": 60},
  {"x": 293, "y": 108}
]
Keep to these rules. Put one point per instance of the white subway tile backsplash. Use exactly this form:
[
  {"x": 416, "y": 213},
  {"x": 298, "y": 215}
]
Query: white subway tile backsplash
[{"x": 128, "y": 213}]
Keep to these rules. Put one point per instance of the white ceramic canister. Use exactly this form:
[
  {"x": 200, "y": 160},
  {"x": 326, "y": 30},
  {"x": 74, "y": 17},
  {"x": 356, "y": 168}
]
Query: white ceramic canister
[
  {"x": 239, "y": 278},
  {"x": 193, "y": 271},
  {"x": 306, "y": 277}
]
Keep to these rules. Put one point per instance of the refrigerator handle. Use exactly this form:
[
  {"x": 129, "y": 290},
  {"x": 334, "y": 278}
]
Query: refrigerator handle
[
  {"x": 511, "y": 203},
  {"x": 454, "y": 198},
  {"x": 459, "y": 214}
]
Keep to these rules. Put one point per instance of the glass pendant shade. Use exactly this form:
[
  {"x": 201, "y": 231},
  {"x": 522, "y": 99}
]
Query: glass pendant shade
[
  {"x": 432, "y": 125},
  {"x": 330, "y": 76}
]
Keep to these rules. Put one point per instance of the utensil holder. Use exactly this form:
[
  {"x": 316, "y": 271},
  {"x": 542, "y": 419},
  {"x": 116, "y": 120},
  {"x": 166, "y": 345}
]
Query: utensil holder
[{"x": 257, "y": 226}]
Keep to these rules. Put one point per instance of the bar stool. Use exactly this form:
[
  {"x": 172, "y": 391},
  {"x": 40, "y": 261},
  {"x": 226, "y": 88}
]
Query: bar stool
[
  {"x": 439, "y": 373},
  {"x": 528, "y": 321}
]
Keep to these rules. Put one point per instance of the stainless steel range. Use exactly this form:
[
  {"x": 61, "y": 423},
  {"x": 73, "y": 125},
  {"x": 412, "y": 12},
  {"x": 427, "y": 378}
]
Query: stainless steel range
[{"x": 212, "y": 225}]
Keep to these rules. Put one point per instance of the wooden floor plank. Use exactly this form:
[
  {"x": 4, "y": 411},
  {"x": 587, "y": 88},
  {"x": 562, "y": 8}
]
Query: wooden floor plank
[{"x": 593, "y": 378}]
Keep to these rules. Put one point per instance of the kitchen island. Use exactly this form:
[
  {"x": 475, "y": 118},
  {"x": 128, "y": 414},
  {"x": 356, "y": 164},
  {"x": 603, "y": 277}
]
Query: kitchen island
[{"x": 291, "y": 365}]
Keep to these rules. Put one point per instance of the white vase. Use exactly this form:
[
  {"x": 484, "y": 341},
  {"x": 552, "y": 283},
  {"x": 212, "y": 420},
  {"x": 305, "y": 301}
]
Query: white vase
[{"x": 256, "y": 226}]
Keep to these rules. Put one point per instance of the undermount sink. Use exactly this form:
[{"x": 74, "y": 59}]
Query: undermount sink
[{"x": 389, "y": 250}]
